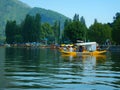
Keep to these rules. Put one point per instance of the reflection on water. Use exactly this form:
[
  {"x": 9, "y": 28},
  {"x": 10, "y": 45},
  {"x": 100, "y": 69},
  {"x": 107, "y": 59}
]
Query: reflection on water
[
  {"x": 2, "y": 72},
  {"x": 35, "y": 69},
  {"x": 89, "y": 62}
]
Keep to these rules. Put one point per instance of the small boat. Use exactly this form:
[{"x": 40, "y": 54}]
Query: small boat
[
  {"x": 92, "y": 52},
  {"x": 83, "y": 53},
  {"x": 68, "y": 53},
  {"x": 91, "y": 49}
]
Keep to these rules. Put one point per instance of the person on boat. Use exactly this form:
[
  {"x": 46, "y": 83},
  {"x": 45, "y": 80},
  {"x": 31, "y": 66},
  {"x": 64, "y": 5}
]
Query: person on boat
[
  {"x": 70, "y": 49},
  {"x": 60, "y": 48},
  {"x": 98, "y": 48},
  {"x": 80, "y": 49},
  {"x": 65, "y": 48},
  {"x": 74, "y": 48}
]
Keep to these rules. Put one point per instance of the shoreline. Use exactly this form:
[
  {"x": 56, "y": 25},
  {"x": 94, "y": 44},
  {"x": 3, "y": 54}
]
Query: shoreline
[{"x": 111, "y": 47}]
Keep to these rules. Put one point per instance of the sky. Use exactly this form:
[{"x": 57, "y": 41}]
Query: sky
[{"x": 102, "y": 10}]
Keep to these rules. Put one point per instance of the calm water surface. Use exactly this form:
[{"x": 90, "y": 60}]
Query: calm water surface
[{"x": 47, "y": 69}]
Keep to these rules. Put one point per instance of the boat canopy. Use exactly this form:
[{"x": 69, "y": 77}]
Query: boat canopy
[
  {"x": 66, "y": 45},
  {"x": 90, "y": 46}
]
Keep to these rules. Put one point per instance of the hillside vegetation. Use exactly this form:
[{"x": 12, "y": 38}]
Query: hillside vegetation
[{"x": 16, "y": 10}]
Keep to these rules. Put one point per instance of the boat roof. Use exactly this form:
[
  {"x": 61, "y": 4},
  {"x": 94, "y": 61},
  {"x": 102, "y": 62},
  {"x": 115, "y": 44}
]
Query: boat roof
[{"x": 86, "y": 43}]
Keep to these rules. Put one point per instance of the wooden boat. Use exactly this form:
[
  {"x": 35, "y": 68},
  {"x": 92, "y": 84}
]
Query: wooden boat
[
  {"x": 90, "y": 49},
  {"x": 83, "y": 53},
  {"x": 68, "y": 53}
]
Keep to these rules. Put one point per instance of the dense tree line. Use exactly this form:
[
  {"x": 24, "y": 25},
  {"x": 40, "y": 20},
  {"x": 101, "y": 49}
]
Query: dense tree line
[
  {"x": 32, "y": 30},
  {"x": 99, "y": 32},
  {"x": 13, "y": 32},
  {"x": 76, "y": 30},
  {"x": 116, "y": 29}
]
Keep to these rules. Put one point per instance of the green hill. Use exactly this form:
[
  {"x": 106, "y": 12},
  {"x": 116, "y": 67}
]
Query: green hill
[
  {"x": 16, "y": 10},
  {"x": 48, "y": 15},
  {"x": 11, "y": 10}
]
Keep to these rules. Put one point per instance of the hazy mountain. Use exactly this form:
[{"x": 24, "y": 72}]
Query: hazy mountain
[
  {"x": 16, "y": 10},
  {"x": 48, "y": 15}
]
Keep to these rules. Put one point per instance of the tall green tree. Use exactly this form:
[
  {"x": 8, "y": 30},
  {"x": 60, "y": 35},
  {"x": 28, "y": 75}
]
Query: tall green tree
[
  {"x": 64, "y": 36},
  {"x": 116, "y": 29},
  {"x": 75, "y": 30},
  {"x": 18, "y": 38},
  {"x": 76, "y": 17},
  {"x": 31, "y": 28},
  {"x": 37, "y": 27},
  {"x": 47, "y": 32},
  {"x": 13, "y": 32},
  {"x": 56, "y": 29},
  {"x": 99, "y": 32},
  {"x": 8, "y": 32},
  {"x": 82, "y": 20},
  {"x": 27, "y": 28}
]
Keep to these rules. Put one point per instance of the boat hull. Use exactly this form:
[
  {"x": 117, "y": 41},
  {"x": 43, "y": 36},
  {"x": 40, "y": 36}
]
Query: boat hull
[
  {"x": 69, "y": 53},
  {"x": 83, "y": 53}
]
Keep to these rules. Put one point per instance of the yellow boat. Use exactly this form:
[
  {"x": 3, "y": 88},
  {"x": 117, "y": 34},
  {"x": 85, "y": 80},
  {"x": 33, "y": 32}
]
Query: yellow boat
[
  {"x": 68, "y": 53},
  {"x": 98, "y": 52},
  {"x": 90, "y": 49},
  {"x": 83, "y": 53}
]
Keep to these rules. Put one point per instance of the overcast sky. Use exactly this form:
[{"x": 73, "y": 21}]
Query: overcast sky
[{"x": 102, "y": 10}]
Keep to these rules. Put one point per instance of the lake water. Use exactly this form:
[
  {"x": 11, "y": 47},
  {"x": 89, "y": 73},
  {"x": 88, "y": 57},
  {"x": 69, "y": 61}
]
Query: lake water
[{"x": 47, "y": 69}]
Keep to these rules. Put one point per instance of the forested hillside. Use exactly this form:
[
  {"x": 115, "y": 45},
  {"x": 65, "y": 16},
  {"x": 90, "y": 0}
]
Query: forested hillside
[
  {"x": 16, "y": 10},
  {"x": 11, "y": 10}
]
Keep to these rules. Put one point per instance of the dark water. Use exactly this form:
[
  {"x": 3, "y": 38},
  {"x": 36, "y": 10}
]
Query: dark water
[{"x": 46, "y": 69}]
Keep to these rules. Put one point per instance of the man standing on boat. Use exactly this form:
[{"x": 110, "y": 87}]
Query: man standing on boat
[{"x": 70, "y": 49}]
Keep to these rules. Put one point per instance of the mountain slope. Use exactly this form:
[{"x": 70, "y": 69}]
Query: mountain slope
[
  {"x": 48, "y": 15},
  {"x": 12, "y": 10}
]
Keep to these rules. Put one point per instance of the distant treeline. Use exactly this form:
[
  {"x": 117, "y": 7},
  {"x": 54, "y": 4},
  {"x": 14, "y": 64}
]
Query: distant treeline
[
  {"x": 102, "y": 33},
  {"x": 32, "y": 30}
]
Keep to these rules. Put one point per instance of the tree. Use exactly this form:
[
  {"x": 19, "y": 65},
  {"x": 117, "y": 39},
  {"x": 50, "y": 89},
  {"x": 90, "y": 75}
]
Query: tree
[
  {"x": 64, "y": 36},
  {"x": 75, "y": 30},
  {"x": 76, "y": 17},
  {"x": 47, "y": 32},
  {"x": 116, "y": 28},
  {"x": 37, "y": 27},
  {"x": 12, "y": 32},
  {"x": 27, "y": 28},
  {"x": 31, "y": 28},
  {"x": 18, "y": 38},
  {"x": 99, "y": 32},
  {"x": 56, "y": 29},
  {"x": 82, "y": 20}
]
